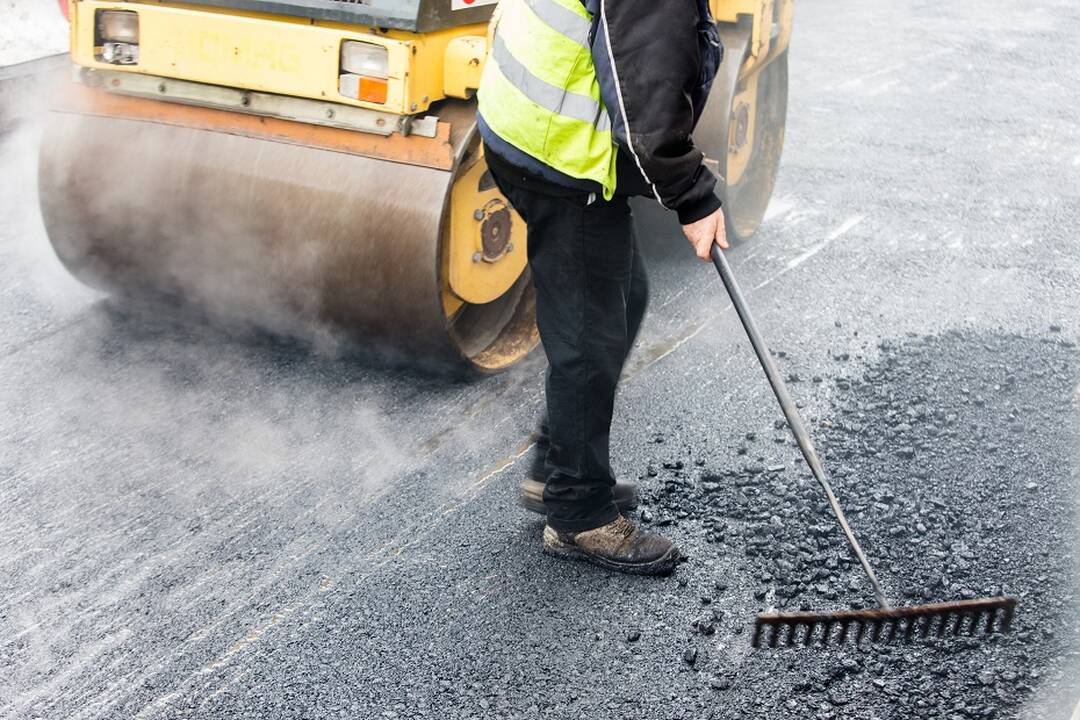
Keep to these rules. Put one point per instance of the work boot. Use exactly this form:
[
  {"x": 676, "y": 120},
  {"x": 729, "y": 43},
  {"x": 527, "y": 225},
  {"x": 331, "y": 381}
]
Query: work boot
[
  {"x": 619, "y": 545},
  {"x": 532, "y": 489}
]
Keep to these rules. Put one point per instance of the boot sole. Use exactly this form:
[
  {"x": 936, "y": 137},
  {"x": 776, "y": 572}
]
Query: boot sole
[
  {"x": 664, "y": 565},
  {"x": 532, "y": 499}
]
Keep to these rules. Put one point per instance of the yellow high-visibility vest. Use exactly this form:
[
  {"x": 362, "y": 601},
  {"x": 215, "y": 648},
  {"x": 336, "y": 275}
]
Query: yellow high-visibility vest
[{"x": 539, "y": 90}]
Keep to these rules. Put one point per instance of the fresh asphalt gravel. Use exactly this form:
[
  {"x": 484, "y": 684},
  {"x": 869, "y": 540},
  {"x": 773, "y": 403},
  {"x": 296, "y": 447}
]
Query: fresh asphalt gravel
[
  {"x": 960, "y": 485},
  {"x": 197, "y": 525}
]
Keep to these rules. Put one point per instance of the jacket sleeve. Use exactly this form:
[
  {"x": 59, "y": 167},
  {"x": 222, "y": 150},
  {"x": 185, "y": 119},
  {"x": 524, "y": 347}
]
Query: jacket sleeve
[{"x": 646, "y": 58}]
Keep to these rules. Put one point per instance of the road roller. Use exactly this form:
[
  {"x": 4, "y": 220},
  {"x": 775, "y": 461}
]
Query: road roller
[{"x": 313, "y": 168}]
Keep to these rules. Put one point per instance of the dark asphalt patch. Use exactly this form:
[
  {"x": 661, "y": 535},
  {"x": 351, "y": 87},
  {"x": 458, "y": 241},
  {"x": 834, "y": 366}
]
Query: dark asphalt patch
[{"x": 955, "y": 457}]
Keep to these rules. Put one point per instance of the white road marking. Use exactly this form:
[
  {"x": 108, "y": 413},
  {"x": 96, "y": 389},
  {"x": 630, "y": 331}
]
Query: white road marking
[
  {"x": 778, "y": 207},
  {"x": 419, "y": 531},
  {"x": 218, "y": 663},
  {"x": 684, "y": 339},
  {"x": 814, "y": 250},
  {"x": 791, "y": 265},
  {"x": 672, "y": 299},
  {"x": 506, "y": 462},
  {"x": 883, "y": 88},
  {"x": 859, "y": 79},
  {"x": 844, "y": 227},
  {"x": 226, "y": 686},
  {"x": 953, "y": 77}
]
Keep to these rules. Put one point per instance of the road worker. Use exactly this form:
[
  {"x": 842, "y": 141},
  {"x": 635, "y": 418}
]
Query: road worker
[{"x": 583, "y": 104}]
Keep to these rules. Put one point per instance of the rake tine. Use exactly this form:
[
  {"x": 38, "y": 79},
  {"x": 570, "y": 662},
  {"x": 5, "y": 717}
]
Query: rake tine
[
  {"x": 809, "y": 637},
  {"x": 774, "y": 636},
  {"x": 941, "y": 626},
  {"x": 909, "y": 629},
  {"x": 875, "y": 633},
  {"x": 974, "y": 622},
  {"x": 792, "y": 628},
  {"x": 755, "y": 641},
  {"x": 924, "y": 629},
  {"x": 894, "y": 626},
  {"x": 959, "y": 623},
  {"x": 860, "y": 628},
  {"x": 990, "y": 617},
  {"x": 844, "y": 624},
  {"x": 1006, "y": 622},
  {"x": 827, "y": 632}
]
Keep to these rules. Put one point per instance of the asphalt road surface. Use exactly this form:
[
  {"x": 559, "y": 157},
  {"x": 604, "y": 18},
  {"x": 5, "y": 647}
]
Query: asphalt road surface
[{"x": 199, "y": 526}]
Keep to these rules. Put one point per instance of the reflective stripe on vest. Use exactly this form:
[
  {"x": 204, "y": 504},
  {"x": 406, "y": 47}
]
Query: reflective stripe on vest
[
  {"x": 548, "y": 96},
  {"x": 563, "y": 21},
  {"x": 539, "y": 90}
]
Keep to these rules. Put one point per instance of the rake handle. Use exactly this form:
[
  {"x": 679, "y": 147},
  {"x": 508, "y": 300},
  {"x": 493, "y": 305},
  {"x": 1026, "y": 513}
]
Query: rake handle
[{"x": 794, "y": 419}]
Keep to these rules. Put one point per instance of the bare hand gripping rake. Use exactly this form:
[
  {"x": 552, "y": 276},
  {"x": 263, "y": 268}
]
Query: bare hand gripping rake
[{"x": 885, "y": 622}]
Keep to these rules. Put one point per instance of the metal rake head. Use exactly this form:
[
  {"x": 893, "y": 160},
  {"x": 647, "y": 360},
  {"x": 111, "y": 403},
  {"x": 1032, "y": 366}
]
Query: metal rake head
[{"x": 884, "y": 624}]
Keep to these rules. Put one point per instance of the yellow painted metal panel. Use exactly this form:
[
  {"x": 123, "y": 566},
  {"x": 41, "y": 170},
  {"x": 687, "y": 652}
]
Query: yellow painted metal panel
[
  {"x": 729, "y": 10},
  {"x": 761, "y": 12},
  {"x": 763, "y": 46},
  {"x": 256, "y": 51},
  {"x": 463, "y": 65}
]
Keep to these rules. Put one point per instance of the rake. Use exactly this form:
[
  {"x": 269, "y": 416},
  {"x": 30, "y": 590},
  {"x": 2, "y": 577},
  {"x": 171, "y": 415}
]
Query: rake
[{"x": 885, "y": 622}]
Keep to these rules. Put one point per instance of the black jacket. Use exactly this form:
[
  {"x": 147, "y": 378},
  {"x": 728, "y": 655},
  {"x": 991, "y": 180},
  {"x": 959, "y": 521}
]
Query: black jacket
[{"x": 655, "y": 61}]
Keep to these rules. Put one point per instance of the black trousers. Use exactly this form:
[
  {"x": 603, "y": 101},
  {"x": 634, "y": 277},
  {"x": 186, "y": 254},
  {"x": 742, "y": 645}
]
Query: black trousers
[{"x": 591, "y": 293}]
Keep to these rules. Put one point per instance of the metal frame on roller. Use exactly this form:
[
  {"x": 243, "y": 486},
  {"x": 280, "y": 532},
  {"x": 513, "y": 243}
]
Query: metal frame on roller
[{"x": 219, "y": 97}]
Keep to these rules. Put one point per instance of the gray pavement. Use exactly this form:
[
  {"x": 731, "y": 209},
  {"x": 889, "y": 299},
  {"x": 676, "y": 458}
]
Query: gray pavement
[{"x": 198, "y": 526}]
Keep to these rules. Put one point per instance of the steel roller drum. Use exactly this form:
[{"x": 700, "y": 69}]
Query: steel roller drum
[{"x": 305, "y": 239}]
